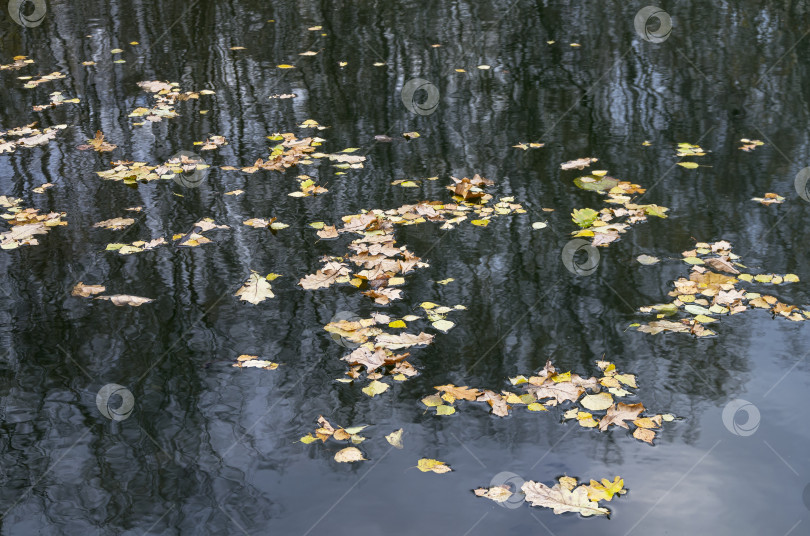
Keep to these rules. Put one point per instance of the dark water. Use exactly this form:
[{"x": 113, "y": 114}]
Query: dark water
[{"x": 211, "y": 449}]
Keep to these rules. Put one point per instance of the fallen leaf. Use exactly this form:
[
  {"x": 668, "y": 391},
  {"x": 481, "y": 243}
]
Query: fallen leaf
[
  {"x": 426, "y": 464},
  {"x": 125, "y": 299},
  {"x": 349, "y": 454},
  {"x": 85, "y": 291},
  {"x": 395, "y": 438},
  {"x": 562, "y": 500},
  {"x": 255, "y": 290}
]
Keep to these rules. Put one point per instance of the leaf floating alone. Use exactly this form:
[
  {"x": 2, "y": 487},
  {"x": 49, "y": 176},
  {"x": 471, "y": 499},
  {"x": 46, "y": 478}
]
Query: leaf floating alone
[
  {"x": 255, "y": 290},
  {"x": 85, "y": 291},
  {"x": 125, "y": 299},
  {"x": 410, "y": 135},
  {"x": 97, "y": 144},
  {"x": 253, "y": 361},
  {"x": 580, "y": 163},
  {"x": 349, "y": 454},
  {"x": 769, "y": 199},
  {"x": 648, "y": 259},
  {"x": 539, "y": 225},
  {"x": 689, "y": 165},
  {"x": 427, "y": 464},
  {"x": 41, "y": 188},
  {"x": 115, "y": 223},
  {"x": 395, "y": 438}
]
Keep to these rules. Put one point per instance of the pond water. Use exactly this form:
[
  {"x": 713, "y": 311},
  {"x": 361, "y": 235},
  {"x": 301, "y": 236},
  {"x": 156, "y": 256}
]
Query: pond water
[{"x": 213, "y": 449}]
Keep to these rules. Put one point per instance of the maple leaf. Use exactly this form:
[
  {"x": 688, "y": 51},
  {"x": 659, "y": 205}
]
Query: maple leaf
[
  {"x": 562, "y": 500},
  {"x": 97, "y": 144},
  {"x": 618, "y": 413},
  {"x": 363, "y": 356}
]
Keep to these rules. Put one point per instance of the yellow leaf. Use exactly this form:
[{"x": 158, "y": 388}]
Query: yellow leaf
[
  {"x": 427, "y": 464},
  {"x": 285, "y": 66},
  {"x": 688, "y": 165},
  {"x": 597, "y": 402},
  {"x": 397, "y": 324},
  {"x": 375, "y": 388}
]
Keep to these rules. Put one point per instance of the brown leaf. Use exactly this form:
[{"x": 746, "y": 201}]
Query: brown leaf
[
  {"x": 85, "y": 291},
  {"x": 618, "y": 413},
  {"x": 721, "y": 264},
  {"x": 464, "y": 393}
]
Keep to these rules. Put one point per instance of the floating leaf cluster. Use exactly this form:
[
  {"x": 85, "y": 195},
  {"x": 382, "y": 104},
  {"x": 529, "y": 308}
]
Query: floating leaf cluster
[
  {"x": 28, "y": 136},
  {"x": 26, "y": 223},
  {"x": 378, "y": 264},
  {"x": 32, "y": 82},
  {"x": 56, "y": 100},
  {"x": 606, "y": 225},
  {"x": 166, "y": 95},
  {"x": 711, "y": 292},
  {"x": 19, "y": 62},
  {"x": 549, "y": 388},
  {"x": 564, "y": 496},
  {"x": 87, "y": 291},
  {"x": 373, "y": 348}
]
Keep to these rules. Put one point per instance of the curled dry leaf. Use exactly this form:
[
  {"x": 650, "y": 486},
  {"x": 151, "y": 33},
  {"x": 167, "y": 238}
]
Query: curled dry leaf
[
  {"x": 125, "y": 299},
  {"x": 85, "y": 291},
  {"x": 253, "y": 361},
  {"x": 115, "y": 223},
  {"x": 579, "y": 163},
  {"x": 395, "y": 438}
]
